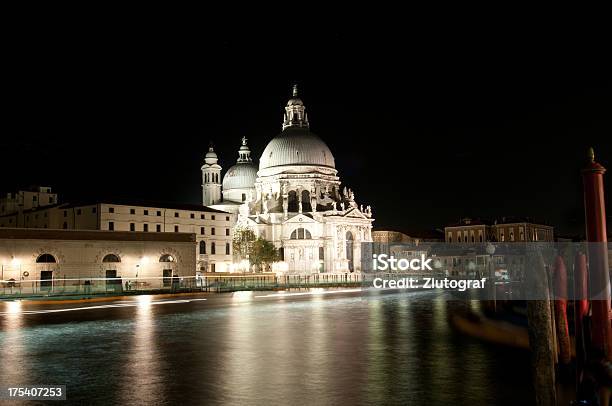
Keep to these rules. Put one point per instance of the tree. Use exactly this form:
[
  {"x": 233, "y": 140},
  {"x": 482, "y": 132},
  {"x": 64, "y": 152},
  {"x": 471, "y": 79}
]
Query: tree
[
  {"x": 260, "y": 252},
  {"x": 242, "y": 242},
  {"x": 263, "y": 253}
]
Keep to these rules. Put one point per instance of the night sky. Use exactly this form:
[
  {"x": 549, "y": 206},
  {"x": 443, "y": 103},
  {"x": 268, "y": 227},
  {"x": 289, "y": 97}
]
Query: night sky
[{"x": 425, "y": 126}]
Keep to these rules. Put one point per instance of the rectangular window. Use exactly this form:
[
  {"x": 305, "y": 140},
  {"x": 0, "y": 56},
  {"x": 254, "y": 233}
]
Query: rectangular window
[
  {"x": 212, "y": 217},
  {"x": 158, "y": 213},
  {"x": 227, "y": 248},
  {"x": 202, "y": 216},
  {"x": 192, "y": 215},
  {"x": 93, "y": 210},
  {"x": 78, "y": 212},
  {"x": 132, "y": 211},
  {"x": 212, "y": 231},
  {"x": 145, "y": 212},
  {"x": 176, "y": 229},
  {"x": 226, "y": 218},
  {"x": 202, "y": 230},
  {"x": 111, "y": 226},
  {"x": 321, "y": 253},
  {"x": 227, "y": 231},
  {"x": 111, "y": 209},
  {"x": 158, "y": 227},
  {"x": 176, "y": 214},
  {"x": 65, "y": 213},
  {"x": 145, "y": 227},
  {"x": 132, "y": 227}
]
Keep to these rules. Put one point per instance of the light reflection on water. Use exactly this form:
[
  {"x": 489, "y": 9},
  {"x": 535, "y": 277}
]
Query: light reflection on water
[
  {"x": 141, "y": 381},
  {"x": 12, "y": 344},
  {"x": 238, "y": 349}
]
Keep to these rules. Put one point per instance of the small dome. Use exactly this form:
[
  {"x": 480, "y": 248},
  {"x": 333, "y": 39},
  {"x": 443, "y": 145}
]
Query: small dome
[
  {"x": 295, "y": 102},
  {"x": 240, "y": 176},
  {"x": 296, "y": 146},
  {"x": 211, "y": 156}
]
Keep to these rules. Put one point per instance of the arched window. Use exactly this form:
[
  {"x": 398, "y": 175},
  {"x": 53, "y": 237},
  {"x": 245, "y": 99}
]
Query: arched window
[
  {"x": 202, "y": 247},
  {"x": 45, "y": 259},
  {"x": 301, "y": 234},
  {"x": 111, "y": 258},
  {"x": 306, "y": 201},
  {"x": 292, "y": 202},
  {"x": 166, "y": 258}
]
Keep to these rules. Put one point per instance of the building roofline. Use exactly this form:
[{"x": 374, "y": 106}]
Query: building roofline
[{"x": 92, "y": 235}]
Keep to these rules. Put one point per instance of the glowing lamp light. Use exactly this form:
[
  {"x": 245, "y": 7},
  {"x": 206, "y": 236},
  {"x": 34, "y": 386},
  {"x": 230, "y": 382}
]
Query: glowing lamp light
[
  {"x": 15, "y": 262},
  {"x": 280, "y": 267},
  {"x": 14, "y": 307},
  {"x": 144, "y": 300}
]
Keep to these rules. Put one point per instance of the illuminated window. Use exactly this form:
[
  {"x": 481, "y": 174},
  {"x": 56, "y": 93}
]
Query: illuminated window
[{"x": 166, "y": 258}]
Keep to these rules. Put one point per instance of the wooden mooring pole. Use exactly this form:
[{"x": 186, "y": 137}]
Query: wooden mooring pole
[{"x": 541, "y": 340}]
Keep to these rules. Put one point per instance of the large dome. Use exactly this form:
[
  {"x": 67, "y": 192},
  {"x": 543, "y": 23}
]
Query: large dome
[
  {"x": 240, "y": 176},
  {"x": 296, "y": 146}
]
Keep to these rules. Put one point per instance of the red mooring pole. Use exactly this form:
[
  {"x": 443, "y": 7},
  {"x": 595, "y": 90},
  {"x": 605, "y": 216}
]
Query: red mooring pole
[{"x": 599, "y": 276}]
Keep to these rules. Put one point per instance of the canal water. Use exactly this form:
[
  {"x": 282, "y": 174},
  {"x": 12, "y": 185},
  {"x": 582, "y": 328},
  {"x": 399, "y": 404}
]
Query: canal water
[{"x": 260, "y": 348}]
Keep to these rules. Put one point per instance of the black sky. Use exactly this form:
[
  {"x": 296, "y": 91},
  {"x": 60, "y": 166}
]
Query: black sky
[{"x": 427, "y": 125}]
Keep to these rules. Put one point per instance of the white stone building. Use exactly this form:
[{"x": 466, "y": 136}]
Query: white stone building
[
  {"x": 71, "y": 261},
  {"x": 295, "y": 199},
  {"x": 212, "y": 228}
]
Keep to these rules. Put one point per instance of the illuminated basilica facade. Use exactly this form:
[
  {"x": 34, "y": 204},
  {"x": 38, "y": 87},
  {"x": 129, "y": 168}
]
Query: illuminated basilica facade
[{"x": 293, "y": 199}]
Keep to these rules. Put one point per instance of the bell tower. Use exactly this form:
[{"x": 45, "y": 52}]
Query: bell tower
[{"x": 211, "y": 178}]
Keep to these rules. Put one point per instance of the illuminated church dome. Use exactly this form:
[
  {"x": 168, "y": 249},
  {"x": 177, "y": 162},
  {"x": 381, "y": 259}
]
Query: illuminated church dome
[
  {"x": 296, "y": 145},
  {"x": 240, "y": 178}
]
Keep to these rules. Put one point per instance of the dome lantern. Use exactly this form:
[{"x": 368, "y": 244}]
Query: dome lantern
[{"x": 295, "y": 112}]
